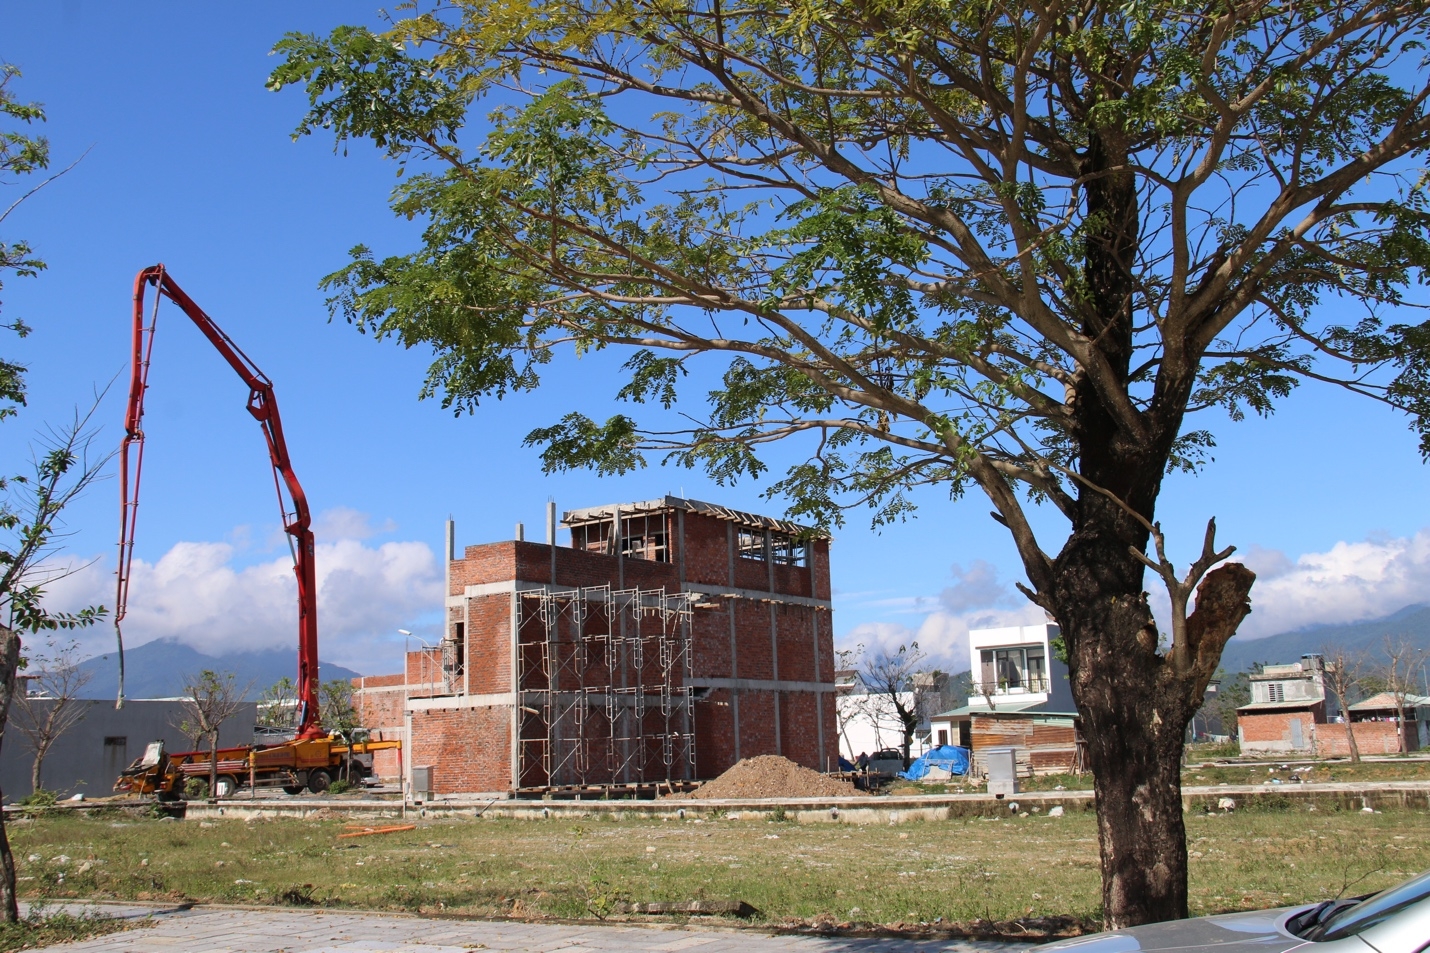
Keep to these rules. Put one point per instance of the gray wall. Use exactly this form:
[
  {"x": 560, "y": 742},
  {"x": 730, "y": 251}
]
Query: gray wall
[
  {"x": 88, "y": 758},
  {"x": 1059, "y": 687}
]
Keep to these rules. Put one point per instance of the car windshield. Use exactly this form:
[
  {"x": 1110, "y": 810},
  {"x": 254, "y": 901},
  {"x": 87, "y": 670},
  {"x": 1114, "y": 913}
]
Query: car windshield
[{"x": 1353, "y": 920}]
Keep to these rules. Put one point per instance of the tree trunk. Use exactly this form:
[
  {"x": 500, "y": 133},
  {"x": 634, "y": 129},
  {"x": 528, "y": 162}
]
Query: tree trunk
[
  {"x": 213, "y": 765},
  {"x": 1135, "y": 705},
  {"x": 9, "y": 662},
  {"x": 1351, "y": 738},
  {"x": 35, "y": 771}
]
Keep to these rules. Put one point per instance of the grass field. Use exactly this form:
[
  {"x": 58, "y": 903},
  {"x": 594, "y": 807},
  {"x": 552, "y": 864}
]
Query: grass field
[{"x": 958, "y": 870}]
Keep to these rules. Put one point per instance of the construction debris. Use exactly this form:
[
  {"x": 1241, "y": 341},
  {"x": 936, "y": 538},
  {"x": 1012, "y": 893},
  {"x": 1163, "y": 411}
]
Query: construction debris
[
  {"x": 771, "y": 776},
  {"x": 379, "y": 830}
]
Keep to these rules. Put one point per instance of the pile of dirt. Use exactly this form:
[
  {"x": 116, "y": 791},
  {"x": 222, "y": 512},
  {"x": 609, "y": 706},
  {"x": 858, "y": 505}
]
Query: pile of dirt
[{"x": 772, "y": 776}]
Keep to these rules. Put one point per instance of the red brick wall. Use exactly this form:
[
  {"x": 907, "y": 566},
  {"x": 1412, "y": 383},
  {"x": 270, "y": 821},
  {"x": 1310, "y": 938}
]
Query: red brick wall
[
  {"x": 467, "y": 748},
  {"x": 379, "y": 701},
  {"x": 1372, "y": 737},
  {"x": 714, "y": 734},
  {"x": 1272, "y": 730},
  {"x": 757, "y": 726},
  {"x": 754, "y": 656},
  {"x": 795, "y": 628},
  {"x": 489, "y": 644},
  {"x": 707, "y": 552}
]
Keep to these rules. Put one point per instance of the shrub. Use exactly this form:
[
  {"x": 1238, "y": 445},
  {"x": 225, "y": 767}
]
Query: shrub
[{"x": 40, "y": 798}]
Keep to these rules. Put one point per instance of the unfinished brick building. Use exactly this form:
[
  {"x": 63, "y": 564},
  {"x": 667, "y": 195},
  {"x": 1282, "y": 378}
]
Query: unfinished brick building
[{"x": 670, "y": 639}]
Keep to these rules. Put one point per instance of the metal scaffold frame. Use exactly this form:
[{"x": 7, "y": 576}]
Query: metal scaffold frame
[{"x": 605, "y": 700}]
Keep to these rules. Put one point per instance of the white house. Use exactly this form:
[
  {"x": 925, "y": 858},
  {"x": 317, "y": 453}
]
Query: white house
[
  {"x": 1017, "y": 665},
  {"x": 1020, "y": 698}
]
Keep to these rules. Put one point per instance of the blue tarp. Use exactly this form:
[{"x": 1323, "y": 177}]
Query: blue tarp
[{"x": 950, "y": 758}]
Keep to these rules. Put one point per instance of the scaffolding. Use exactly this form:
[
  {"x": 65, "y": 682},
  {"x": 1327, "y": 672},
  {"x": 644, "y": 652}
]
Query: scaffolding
[{"x": 604, "y": 694}]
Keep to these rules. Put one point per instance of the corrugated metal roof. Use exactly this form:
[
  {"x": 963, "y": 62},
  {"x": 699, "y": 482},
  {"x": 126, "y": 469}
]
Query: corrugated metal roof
[
  {"x": 594, "y": 514},
  {"x": 1009, "y": 708},
  {"x": 1387, "y": 700}
]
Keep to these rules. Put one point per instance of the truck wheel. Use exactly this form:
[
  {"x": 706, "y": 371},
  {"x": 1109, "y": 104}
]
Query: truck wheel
[
  {"x": 292, "y": 789},
  {"x": 318, "y": 780},
  {"x": 225, "y": 785}
]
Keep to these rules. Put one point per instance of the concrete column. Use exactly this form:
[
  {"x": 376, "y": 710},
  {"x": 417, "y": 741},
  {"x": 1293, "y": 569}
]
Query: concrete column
[
  {"x": 551, "y": 536},
  {"x": 451, "y": 551},
  {"x": 818, "y": 696},
  {"x": 770, "y": 559}
]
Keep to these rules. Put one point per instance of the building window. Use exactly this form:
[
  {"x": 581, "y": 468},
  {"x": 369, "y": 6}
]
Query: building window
[
  {"x": 750, "y": 544},
  {"x": 590, "y": 537},
  {"x": 942, "y": 737},
  {"x": 789, "y": 551},
  {"x": 642, "y": 537},
  {"x": 1276, "y": 692},
  {"x": 784, "y": 549},
  {"x": 119, "y": 741},
  {"x": 1013, "y": 669}
]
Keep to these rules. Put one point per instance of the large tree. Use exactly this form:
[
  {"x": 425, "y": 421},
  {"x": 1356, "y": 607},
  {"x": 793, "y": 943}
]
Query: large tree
[{"x": 1004, "y": 246}]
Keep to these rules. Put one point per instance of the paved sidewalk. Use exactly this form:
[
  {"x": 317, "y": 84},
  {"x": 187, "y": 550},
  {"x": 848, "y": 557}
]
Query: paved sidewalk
[{"x": 299, "y": 931}]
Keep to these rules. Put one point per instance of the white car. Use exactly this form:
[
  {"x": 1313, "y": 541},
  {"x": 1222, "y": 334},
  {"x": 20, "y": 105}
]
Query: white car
[{"x": 1396, "y": 920}]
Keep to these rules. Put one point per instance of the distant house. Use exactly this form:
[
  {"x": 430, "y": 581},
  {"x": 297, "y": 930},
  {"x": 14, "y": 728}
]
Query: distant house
[
  {"x": 1291, "y": 713},
  {"x": 1388, "y": 731},
  {"x": 869, "y": 722},
  {"x": 1287, "y": 702},
  {"x": 1020, "y": 699}
]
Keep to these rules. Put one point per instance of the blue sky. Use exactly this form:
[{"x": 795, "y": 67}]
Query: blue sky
[{"x": 190, "y": 162}]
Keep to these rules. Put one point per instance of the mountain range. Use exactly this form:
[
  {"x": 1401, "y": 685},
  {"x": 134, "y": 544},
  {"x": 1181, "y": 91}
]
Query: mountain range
[
  {"x": 158, "y": 669},
  {"x": 1411, "y": 624}
]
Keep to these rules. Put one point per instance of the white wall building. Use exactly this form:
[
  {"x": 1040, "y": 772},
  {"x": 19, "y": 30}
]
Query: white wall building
[
  {"x": 869, "y": 723},
  {"x": 1016, "y": 666}
]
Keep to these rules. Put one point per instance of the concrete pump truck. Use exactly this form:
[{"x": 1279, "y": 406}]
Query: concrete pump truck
[{"x": 313, "y": 758}]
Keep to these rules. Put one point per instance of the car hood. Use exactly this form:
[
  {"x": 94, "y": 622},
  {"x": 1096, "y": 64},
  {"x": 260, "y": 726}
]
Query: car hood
[{"x": 1253, "y": 932}]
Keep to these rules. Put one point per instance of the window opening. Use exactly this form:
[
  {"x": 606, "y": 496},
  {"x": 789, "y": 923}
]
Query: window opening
[
  {"x": 1005, "y": 670},
  {"x": 644, "y": 537},
  {"x": 784, "y": 549}
]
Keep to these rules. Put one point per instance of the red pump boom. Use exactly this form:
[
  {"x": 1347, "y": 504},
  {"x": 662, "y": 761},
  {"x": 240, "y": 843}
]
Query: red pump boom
[{"x": 264, "y": 407}]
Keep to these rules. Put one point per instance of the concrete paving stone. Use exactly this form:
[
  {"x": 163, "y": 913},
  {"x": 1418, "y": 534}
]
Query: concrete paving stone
[{"x": 298, "y": 931}]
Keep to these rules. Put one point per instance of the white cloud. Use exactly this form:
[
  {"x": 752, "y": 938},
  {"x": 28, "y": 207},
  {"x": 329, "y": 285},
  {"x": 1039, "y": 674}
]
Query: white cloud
[
  {"x": 975, "y": 588},
  {"x": 340, "y": 522},
  {"x": 1347, "y": 583},
  {"x": 196, "y": 594},
  {"x": 975, "y": 600}
]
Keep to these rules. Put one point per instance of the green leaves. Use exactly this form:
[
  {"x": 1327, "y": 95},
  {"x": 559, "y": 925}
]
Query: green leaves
[
  {"x": 611, "y": 449},
  {"x": 380, "y": 93},
  {"x": 940, "y": 243},
  {"x": 20, "y": 154}
]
